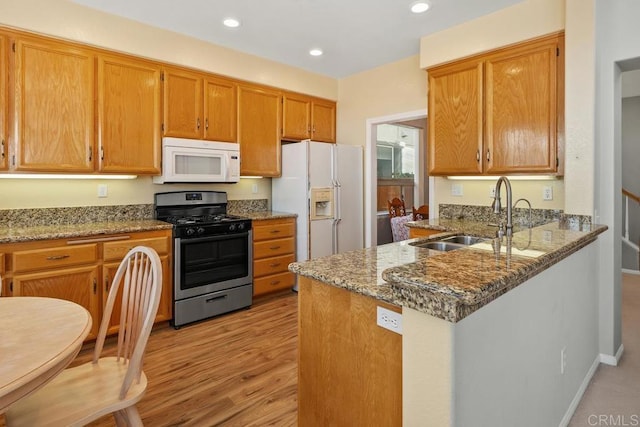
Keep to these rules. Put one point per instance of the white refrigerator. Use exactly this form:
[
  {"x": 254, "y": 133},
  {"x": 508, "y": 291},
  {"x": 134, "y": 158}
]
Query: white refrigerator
[{"x": 323, "y": 184}]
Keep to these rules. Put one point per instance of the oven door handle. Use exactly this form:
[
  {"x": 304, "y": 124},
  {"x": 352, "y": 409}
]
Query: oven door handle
[{"x": 212, "y": 238}]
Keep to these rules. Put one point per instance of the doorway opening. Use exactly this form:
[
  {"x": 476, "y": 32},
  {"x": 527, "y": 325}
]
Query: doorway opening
[{"x": 395, "y": 166}]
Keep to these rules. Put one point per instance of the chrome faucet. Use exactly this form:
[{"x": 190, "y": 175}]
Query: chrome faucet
[
  {"x": 496, "y": 205},
  {"x": 528, "y": 203}
]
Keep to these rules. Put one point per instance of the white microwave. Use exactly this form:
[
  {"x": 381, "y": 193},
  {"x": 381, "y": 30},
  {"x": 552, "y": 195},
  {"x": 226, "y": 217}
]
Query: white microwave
[{"x": 191, "y": 160}]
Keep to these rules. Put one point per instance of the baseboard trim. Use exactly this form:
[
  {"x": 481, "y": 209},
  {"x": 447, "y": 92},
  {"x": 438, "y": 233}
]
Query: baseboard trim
[
  {"x": 612, "y": 360},
  {"x": 629, "y": 271},
  {"x": 578, "y": 397}
]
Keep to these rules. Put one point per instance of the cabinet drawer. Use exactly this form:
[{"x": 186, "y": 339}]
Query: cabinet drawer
[
  {"x": 273, "y": 231},
  {"x": 117, "y": 250},
  {"x": 273, "y": 283},
  {"x": 54, "y": 257},
  {"x": 264, "y": 267},
  {"x": 271, "y": 248}
]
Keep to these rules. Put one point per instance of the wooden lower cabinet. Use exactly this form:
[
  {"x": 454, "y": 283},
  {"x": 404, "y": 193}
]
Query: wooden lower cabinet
[
  {"x": 350, "y": 369},
  {"x": 80, "y": 270},
  {"x": 274, "y": 248}
]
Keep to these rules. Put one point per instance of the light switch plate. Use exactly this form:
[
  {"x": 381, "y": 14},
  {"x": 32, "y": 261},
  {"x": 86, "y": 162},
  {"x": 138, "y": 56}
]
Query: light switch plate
[
  {"x": 456, "y": 189},
  {"x": 103, "y": 190}
]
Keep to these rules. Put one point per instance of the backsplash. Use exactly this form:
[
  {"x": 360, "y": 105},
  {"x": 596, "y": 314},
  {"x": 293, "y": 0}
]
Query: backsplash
[
  {"x": 520, "y": 215},
  {"x": 86, "y": 214}
]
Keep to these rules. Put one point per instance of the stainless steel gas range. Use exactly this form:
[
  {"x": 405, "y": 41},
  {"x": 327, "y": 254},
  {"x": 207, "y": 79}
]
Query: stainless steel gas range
[{"x": 212, "y": 254}]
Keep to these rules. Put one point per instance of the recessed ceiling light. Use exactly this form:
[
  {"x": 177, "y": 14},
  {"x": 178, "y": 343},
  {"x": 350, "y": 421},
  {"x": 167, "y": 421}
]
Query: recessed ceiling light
[
  {"x": 419, "y": 6},
  {"x": 231, "y": 22},
  {"x": 315, "y": 52}
]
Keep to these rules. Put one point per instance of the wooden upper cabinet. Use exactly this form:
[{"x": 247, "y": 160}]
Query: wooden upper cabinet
[
  {"x": 520, "y": 109},
  {"x": 220, "y": 109},
  {"x": 4, "y": 106},
  {"x": 129, "y": 115},
  {"x": 455, "y": 119},
  {"x": 199, "y": 106},
  {"x": 54, "y": 110},
  {"x": 182, "y": 104},
  {"x": 259, "y": 115},
  {"x": 306, "y": 117},
  {"x": 499, "y": 112}
]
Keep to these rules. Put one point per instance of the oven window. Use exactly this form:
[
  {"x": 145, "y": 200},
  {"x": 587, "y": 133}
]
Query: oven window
[{"x": 216, "y": 259}]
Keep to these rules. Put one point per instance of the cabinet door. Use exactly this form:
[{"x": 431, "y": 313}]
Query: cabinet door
[
  {"x": 54, "y": 112},
  {"x": 454, "y": 145},
  {"x": 259, "y": 111},
  {"x": 79, "y": 285},
  {"x": 520, "y": 109},
  {"x": 4, "y": 106},
  {"x": 164, "y": 308},
  {"x": 323, "y": 118},
  {"x": 220, "y": 110},
  {"x": 296, "y": 117},
  {"x": 129, "y": 116},
  {"x": 182, "y": 104}
]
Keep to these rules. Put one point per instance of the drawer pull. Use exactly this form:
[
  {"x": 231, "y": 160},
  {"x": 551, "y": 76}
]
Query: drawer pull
[
  {"x": 275, "y": 231},
  {"x": 275, "y": 264},
  {"x": 274, "y": 282},
  {"x": 57, "y": 257},
  {"x": 273, "y": 248},
  {"x": 219, "y": 297}
]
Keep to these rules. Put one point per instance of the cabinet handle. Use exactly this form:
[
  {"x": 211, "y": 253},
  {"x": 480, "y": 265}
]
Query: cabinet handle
[
  {"x": 90, "y": 150},
  {"x": 198, "y": 123},
  {"x": 3, "y": 148},
  {"x": 275, "y": 231},
  {"x": 488, "y": 155},
  {"x": 274, "y": 282},
  {"x": 95, "y": 286},
  {"x": 101, "y": 152},
  {"x": 273, "y": 248},
  {"x": 106, "y": 283},
  {"x": 57, "y": 257},
  {"x": 478, "y": 156},
  {"x": 206, "y": 123},
  {"x": 275, "y": 264}
]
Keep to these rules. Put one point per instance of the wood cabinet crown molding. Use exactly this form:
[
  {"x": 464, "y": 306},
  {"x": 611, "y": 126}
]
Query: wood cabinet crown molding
[{"x": 499, "y": 112}]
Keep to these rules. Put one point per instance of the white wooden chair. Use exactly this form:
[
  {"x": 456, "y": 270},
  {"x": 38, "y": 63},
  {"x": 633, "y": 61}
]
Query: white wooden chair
[{"x": 105, "y": 385}]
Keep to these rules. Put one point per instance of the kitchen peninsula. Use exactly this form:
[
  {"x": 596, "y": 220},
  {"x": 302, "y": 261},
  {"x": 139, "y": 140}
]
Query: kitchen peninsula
[{"x": 503, "y": 332}]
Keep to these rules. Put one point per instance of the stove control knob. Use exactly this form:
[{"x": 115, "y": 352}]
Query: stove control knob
[
  {"x": 190, "y": 231},
  {"x": 200, "y": 230},
  {"x": 241, "y": 226},
  {"x": 232, "y": 227}
]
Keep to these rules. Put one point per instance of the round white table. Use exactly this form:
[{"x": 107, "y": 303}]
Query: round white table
[{"x": 39, "y": 337}]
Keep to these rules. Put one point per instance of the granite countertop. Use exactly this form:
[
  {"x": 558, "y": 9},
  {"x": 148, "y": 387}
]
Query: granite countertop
[
  {"x": 450, "y": 285},
  {"x": 10, "y": 234},
  {"x": 263, "y": 215}
]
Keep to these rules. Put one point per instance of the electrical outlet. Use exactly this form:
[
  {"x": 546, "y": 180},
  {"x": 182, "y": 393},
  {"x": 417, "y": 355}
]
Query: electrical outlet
[
  {"x": 492, "y": 191},
  {"x": 254, "y": 188},
  {"x": 456, "y": 189},
  {"x": 389, "y": 320},
  {"x": 547, "y": 193},
  {"x": 563, "y": 360},
  {"x": 103, "y": 190}
]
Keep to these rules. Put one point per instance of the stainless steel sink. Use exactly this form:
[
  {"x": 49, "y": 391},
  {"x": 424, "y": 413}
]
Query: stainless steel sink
[
  {"x": 439, "y": 245},
  {"x": 449, "y": 243},
  {"x": 463, "y": 240}
]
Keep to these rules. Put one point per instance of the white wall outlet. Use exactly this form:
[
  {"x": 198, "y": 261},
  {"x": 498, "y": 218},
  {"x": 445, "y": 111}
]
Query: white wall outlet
[
  {"x": 547, "y": 193},
  {"x": 456, "y": 189},
  {"x": 563, "y": 360},
  {"x": 103, "y": 190},
  {"x": 254, "y": 188},
  {"x": 547, "y": 236},
  {"x": 389, "y": 320},
  {"x": 492, "y": 191}
]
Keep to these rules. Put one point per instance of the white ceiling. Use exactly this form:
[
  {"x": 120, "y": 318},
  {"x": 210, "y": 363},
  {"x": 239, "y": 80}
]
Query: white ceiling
[{"x": 355, "y": 35}]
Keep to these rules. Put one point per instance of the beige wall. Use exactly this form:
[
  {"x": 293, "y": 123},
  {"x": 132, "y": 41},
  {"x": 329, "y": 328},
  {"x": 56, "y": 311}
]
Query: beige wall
[
  {"x": 522, "y": 21},
  {"x": 68, "y": 20},
  {"x": 394, "y": 88}
]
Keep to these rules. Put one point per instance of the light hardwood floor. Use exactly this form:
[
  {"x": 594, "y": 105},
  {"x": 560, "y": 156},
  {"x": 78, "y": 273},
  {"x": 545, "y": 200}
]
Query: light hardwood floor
[{"x": 239, "y": 369}]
